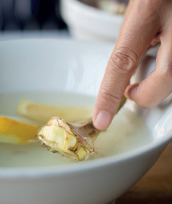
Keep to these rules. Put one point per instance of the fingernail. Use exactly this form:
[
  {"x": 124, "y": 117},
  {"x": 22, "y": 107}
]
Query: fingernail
[
  {"x": 130, "y": 91},
  {"x": 103, "y": 120},
  {"x": 127, "y": 94}
]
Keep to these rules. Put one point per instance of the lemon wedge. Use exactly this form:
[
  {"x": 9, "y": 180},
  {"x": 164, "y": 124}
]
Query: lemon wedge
[
  {"x": 14, "y": 131},
  {"x": 43, "y": 112}
]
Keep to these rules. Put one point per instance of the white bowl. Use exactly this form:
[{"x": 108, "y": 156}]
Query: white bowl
[
  {"x": 75, "y": 67},
  {"x": 87, "y": 22}
]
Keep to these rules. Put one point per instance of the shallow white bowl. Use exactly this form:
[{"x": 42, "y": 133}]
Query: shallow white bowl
[
  {"x": 87, "y": 22},
  {"x": 42, "y": 65}
]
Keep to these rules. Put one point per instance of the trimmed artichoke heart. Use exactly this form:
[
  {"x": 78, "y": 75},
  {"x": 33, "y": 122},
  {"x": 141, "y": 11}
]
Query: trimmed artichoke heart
[{"x": 74, "y": 140}]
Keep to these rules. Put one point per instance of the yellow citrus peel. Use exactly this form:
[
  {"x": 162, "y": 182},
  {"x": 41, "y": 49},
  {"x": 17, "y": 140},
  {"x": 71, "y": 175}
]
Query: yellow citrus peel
[
  {"x": 43, "y": 112},
  {"x": 15, "y": 132}
]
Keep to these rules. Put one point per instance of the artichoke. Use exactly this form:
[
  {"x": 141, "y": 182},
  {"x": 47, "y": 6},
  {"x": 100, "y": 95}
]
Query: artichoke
[{"x": 74, "y": 140}]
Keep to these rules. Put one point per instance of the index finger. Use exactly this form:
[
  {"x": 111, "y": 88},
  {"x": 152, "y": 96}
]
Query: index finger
[{"x": 140, "y": 27}]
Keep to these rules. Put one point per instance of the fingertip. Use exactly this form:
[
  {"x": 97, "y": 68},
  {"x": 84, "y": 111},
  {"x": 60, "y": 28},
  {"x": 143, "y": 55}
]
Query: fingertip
[{"x": 102, "y": 120}]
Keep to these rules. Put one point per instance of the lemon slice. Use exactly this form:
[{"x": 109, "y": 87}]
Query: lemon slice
[
  {"x": 43, "y": 112},
  {"x": 14, "y": 131}
]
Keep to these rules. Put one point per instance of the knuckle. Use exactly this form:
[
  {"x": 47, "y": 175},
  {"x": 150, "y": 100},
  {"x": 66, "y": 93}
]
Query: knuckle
[
  {"x": 109, "y": 97},
  {"x": 124, "y": 62}
]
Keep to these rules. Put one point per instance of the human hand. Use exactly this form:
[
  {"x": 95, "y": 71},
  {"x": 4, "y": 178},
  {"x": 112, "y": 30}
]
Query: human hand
[{"x": 146, "y": 23}]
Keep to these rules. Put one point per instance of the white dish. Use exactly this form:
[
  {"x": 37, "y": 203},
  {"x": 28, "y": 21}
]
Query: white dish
[
  {"x": 86, "y": 22},
  {"x": 76, "y": 67}
]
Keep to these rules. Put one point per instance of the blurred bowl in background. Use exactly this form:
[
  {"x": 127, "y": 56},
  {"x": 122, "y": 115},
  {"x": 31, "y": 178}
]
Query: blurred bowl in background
[{"x": 87, "y": 22}]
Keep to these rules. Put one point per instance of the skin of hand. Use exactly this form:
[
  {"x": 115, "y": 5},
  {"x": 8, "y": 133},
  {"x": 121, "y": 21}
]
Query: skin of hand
[{"x": 146, "y": 23}]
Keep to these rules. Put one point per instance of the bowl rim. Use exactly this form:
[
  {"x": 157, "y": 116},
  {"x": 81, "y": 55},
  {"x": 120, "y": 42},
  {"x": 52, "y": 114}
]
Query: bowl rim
[{"x": 67, "y": 169}]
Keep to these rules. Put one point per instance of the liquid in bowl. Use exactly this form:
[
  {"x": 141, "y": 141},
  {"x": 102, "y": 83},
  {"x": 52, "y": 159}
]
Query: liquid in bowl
[{"x": 127, "y": 131}]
